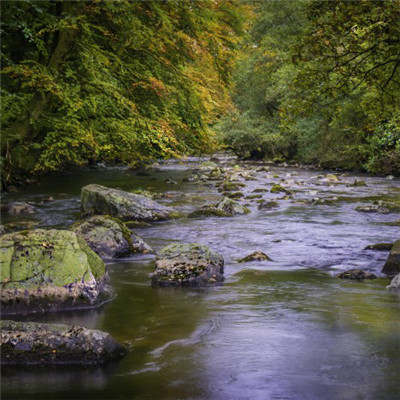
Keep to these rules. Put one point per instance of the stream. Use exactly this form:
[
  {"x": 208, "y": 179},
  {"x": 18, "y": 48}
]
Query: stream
[{"x": 281, "y": 329}]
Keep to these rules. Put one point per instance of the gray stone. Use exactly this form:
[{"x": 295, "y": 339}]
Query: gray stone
[
  {"x": 395, "y": 283},
  {"x": 28, "y": 343},
  {"x": 97, "y": 199},
  {"x": 20, "y": 208},
  {"x": 392, "y": 265}
]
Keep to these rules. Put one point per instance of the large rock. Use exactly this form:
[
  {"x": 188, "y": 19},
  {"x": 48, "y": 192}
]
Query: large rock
[
  {"x": 97, "y": 199},
  {"x": 392, "y": 265},
  {"x": 395, "y": 283},
  {"x": 50, "y": 270},
  {"x": 109, "y": 237},
  {"x": 28, "y": 343},
  {"x": 224, "y": 208},
  {"x": 188, "y": 265}
]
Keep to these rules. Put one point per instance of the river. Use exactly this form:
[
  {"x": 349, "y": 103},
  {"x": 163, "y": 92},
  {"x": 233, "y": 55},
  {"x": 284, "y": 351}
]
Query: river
[{"x": 281, "y": 329}]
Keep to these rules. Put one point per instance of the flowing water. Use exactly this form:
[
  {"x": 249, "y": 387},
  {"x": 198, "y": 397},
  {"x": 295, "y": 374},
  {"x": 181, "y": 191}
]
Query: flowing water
[{"x": 281, "y": 329}]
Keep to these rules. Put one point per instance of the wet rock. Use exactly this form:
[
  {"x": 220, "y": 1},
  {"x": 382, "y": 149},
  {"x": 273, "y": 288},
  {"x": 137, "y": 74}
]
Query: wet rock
[
  {"x": 188, "y": 265},
  {"x": 97, "y": 199},
  {"x": 392, "y": 265},
  {"x": 379, "y": 247},
  {"x": 233, "y": 195},
  {"x": 372, "y": 209},
  {"x": 50, "y": 270},
  {"x": 216, "y": 174},
  {"x": 267, "y": 205},
  {"x": 260, "y": 190},
  {"x": 225, "y": 208},
  {"x": 256, "y": 256},
  {"x": 20, "y": 208},
  {"x": 28, "y": 343},
  {"x": 356, "y": 274},
  {"x": 395, "y": 283},
  {"x": 229, "y": 186},
  {"x": 253, "y": 196},
  {"x": 392, "y": 206},
  {"x": 278, "y": 189},
  {"x": 109, "y": 237},
  {"x": 322, "y": 202},
  {"x": 208, "y": 165}
]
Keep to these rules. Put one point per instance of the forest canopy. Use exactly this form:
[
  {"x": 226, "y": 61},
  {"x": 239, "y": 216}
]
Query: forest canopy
[{"x": 128, "y": 81}]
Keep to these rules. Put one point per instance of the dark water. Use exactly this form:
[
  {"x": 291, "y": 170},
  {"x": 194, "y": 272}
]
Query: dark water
[{"x": 284, "y": 329}]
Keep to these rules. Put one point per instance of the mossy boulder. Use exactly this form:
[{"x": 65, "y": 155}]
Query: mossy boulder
[
  {"x": 392, "y": 265},
  {"x": 224, "y": 208},
  {"x": 268, "y": 205},
  {"x": 109, "y": 237},
  {"x": 97, "y": 199},
  {"x": 50, "y": 270},
  {"x": 379, "y": 247},
  {"x": 188, "y": 265},
  {"x": 28, "y": 343}
]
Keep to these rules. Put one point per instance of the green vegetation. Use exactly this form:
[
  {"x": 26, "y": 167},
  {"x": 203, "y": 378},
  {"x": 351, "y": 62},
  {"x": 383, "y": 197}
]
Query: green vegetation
[
  {"x": 319, "y": 82},
  {"x": 128, "y": 81},
  {"x": 112, "y": 81}
]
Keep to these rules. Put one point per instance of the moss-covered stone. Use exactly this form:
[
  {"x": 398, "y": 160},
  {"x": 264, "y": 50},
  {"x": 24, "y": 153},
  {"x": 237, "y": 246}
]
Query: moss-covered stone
[
  {"x": 392, "y": 265},
  {"x": 268, "y": 205},
  {"x": 229, "y": 186},
  {"x": 28, "y": 343},
  {"x": 224, "y": 208},
  {"x": 233, "y": 195},
  {"x": 187, "y": 265},
  {"x": 278, "y": 189},
  {"x": 97, "y": 199},
  {"x": 379, "y": 247},
  {"x": 372, "y": 209},
  {"x": 109, "y": 237},
  {"x": 50, "y": 270},
  {"x": 253, "y": 196},
  {"x": 256, "y": 256}
]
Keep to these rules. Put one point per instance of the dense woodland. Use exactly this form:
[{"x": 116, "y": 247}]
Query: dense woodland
[{"x": 130, "y": 81}]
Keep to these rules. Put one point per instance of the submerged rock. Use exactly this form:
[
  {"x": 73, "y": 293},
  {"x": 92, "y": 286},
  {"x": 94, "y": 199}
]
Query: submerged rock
[
  {"x": 356, "y": 274},
  {"x": 392, "y": 265},
  {"x": 109, "y": 237},
  {"x": 267, "y": 205},
  {"x": 379, "y": 247},
  {"x": 188, "y": 265},
  {"x": 225, "y": 208},
  {"x": 229, "y": 186},
  {"x": 50, "y": 270},
  {"x": 20, "y": 208},
  {"x": 97, "y": 199},
  {"x": 372, "y": 209},
  {"x": 395, "y": 283},
  {"x": 256, "y": 256},
  {"x": 28, "y": 343}
]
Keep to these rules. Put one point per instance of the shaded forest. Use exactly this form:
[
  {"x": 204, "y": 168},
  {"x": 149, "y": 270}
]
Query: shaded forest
[{"x": 125, "y": 82}]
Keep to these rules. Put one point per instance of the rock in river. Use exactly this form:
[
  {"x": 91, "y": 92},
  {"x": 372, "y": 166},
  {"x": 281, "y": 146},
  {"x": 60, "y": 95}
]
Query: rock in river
[
  {"x": 28, "y": 343},
  {"x": 109, "y": 237},
  {"x": 256, "y": 256},
  {"x": 188, "y": 265},
  {"x": 97, "y": 199},
  {"x": 20, "y": 208},
  {"x": 224, "y": 208},
  {"x": 392, "y": 265},
  {"x": 50, "y": 270},
  {"x": 356, "y": 274},
  {"x": 395, "y": 283}
]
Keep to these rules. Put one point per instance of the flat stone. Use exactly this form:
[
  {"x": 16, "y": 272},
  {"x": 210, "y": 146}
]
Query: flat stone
[{"x": 28, "y": 343}]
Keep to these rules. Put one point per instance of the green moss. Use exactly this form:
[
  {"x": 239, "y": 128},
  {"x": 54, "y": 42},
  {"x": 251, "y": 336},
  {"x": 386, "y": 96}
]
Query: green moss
[{"x": 278, "y": 189}]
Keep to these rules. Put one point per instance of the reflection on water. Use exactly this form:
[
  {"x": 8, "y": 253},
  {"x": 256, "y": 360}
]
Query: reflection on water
[{"x": 285, "y": 329}]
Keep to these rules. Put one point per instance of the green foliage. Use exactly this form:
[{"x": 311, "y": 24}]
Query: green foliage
[
  {"x": 112, "y": 81},
  {"x": 319, "y": 82}
]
